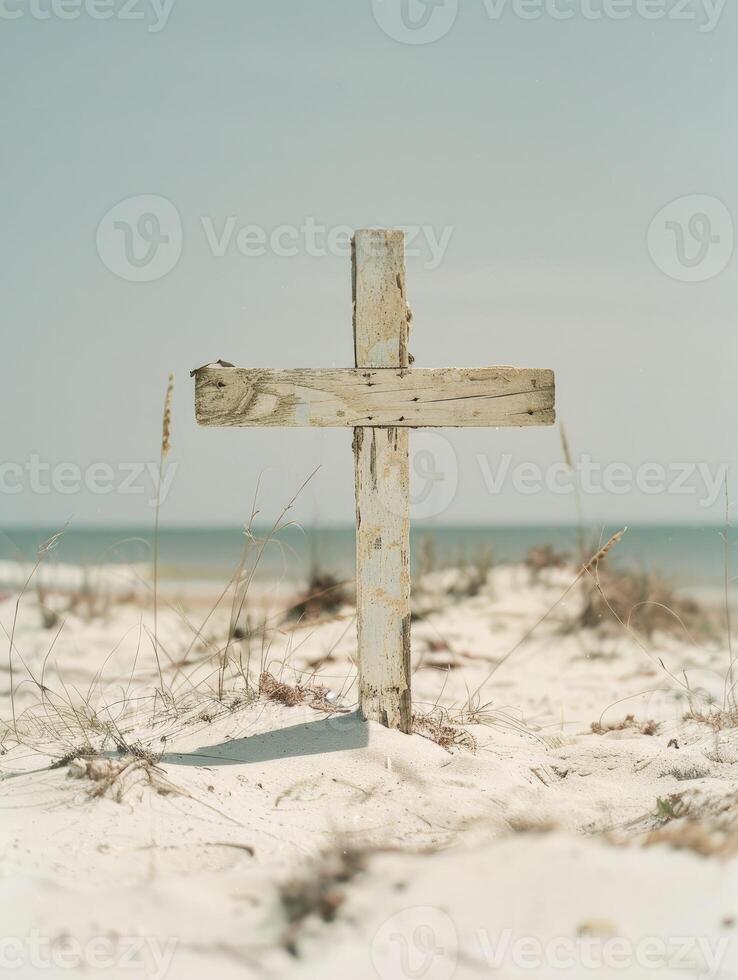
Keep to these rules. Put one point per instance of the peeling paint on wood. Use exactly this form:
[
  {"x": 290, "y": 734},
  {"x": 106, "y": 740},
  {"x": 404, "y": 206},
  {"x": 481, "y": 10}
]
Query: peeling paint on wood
[{"x": 382, "y": 486}]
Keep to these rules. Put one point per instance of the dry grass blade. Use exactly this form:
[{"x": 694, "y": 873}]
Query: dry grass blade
[
  {"x": 43, "y": 550},
  {"x": 242, "y": 590},
  {"x": 569, "y": 460},
  {"x": 166, "y": 446},
  {"x": 641, "y": 600},
  {"x": 166, "y": 426},
  {"x": 592, "y": 564},
  {"x": 604, "y": 551}
]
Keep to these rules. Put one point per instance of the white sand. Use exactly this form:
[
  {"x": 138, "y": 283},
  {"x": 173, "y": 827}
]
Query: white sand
[{"x": 522, "y": 858}]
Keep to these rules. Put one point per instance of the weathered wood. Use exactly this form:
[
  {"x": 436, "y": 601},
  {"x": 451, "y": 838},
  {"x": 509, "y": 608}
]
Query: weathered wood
[
  {"x": 415, "y": 397},
  {"x": 382, "y": 398},
  {"x": 381, "y": 327}
]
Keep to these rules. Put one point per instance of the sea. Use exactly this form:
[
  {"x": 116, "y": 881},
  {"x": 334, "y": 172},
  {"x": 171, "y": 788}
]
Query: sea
[{"x": 692, "y": 557}]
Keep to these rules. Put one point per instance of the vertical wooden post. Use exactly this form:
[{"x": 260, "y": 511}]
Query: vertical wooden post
[{"x": 382, "y": 488}]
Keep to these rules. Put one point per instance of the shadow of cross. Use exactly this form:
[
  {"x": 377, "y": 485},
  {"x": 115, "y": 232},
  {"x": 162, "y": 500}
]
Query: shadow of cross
[
  {"x": 382, "y": 398},
  {"x": 336, "y": 734}
]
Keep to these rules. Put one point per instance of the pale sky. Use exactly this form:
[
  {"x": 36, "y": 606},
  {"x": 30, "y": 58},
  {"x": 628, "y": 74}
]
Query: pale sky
[{"x": 538, "y": 152}]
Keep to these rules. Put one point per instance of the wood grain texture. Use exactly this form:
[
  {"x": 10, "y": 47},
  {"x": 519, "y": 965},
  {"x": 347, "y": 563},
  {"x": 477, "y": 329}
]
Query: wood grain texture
[
  {"x": 414, "y": 397},
  {"x": 382, "y": 488}
]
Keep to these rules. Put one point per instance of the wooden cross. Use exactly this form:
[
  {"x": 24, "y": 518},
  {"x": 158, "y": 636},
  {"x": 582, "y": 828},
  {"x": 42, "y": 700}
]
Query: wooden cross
[{"x": 381, "y": 399}]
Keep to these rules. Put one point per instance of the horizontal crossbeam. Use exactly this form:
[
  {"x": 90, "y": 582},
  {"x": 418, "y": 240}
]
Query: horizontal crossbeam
[{"x": 377, "y": 397}]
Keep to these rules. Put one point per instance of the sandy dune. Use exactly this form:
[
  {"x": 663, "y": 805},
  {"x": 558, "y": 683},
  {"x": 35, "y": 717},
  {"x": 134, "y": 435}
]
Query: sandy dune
[{"x": 270, "y": 839}]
